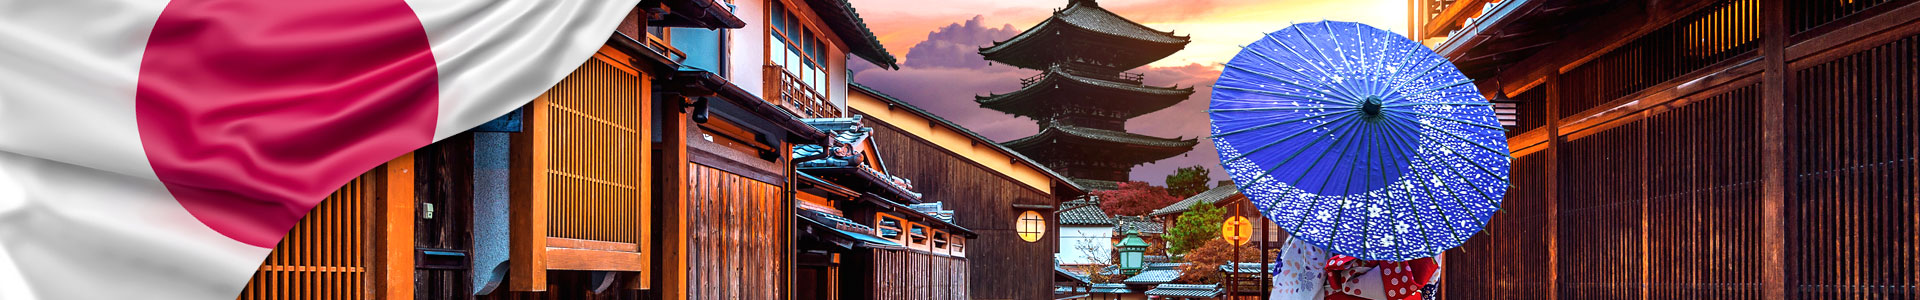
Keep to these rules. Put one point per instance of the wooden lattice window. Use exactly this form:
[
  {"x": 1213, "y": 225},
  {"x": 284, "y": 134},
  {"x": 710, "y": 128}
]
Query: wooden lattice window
[
  {"x": 1031, "y": 226},
  {"x": 335, "y": 252},
  {"x": 583, "y": 161}
]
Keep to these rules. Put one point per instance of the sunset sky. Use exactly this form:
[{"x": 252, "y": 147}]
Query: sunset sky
[{"x": 941, "y": 72}]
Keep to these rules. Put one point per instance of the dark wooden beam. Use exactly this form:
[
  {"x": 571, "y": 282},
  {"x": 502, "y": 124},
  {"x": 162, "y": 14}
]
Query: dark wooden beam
[
  {"x": 1553, "y": 141},
  {"x": 1616, "y": 28},
  {"x": 1775, "y": 185}
]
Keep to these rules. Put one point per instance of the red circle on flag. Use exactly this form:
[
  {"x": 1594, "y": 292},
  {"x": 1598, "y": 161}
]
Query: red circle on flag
[{"x": 253, "y": 111}]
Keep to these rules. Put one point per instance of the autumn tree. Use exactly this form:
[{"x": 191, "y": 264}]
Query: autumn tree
[
  {"x": 1134, "y": 198},
  {"x": 1201, "y": 222},
  {"x": 1188, "y": 181},
  {"x": 1203, "y": 263}
]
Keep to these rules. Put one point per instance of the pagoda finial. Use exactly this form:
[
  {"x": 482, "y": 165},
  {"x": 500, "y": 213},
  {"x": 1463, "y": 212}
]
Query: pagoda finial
[{"x": 1083, "y": 2}]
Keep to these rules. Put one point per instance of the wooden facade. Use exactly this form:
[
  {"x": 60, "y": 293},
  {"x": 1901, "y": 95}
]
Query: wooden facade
[
  {"x": 1731, "y": 149},
  {"x": 988, "y": 186},
  {"x": 1002, "y": 265},
  {"x": 641, "y": 175}
]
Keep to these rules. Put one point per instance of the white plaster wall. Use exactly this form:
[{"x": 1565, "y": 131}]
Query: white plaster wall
[
  {"x": 747, "y": 51},
  {"x": 1071, "y": 237}
]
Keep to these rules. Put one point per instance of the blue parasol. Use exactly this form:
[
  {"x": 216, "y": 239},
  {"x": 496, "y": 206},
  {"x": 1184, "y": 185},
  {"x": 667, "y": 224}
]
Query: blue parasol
[{"x": 1359, "y": 140}]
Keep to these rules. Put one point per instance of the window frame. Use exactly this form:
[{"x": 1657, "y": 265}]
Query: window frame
[
  {"x": 781, "y": 24},
  {"x": 880, "y": 227},
  {"x": 1020, "y": 223}
]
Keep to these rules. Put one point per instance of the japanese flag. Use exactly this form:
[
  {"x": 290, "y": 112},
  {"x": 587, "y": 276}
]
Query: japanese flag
[{"x": 154, "y": 149}]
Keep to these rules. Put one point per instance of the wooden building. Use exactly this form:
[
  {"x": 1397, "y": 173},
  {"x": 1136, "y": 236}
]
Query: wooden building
[
  {"x": 1007, "y": 200},
  {"x": 659, "y": 169},
  {"x": 1704, "y": 149},
  {"x": 865, "y": 234}
]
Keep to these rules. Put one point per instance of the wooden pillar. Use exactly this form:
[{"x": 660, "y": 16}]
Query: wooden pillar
[
  {"x": 1775, "y": 185},
  {"x": 394, "y": 232},
  {"x": 527, "y": 207},
  {"x": 1552, "y": 182},
  {"x": 787, "y": 249},
  {"x": 672, "y": 205}
]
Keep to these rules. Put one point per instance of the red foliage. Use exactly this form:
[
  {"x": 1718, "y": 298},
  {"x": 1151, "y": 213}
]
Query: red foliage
[{"x": 1134, "y": 198}]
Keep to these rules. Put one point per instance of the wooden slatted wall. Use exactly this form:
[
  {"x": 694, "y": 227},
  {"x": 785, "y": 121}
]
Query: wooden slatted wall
[
  {"x": 958, "y": 267},
  {"x": 1508, "y": 259},
  {"x": 1854, "y": 223},
  {"x": 907, "y": 274},
  {"x": 1532, "y": 111},
  {"x": 1668, "y": 204},
  {"x": 888, "y": 269},
  {"x": 329, "y": 254},
  {"x": 1014, "y": 264},
  {"x": 1804, "y": 15},
  {"x": 1703, "y": 208},
  {"x": 596, "y": 169},
  {"x": 1599, "y": 216},
  {"x": 737, "y": 238},
  {"x": 1724, "y": 31}
]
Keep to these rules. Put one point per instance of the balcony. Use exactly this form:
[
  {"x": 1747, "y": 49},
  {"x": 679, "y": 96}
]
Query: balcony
[
  {"x": 786, "y": 91},
  {"x": 1088, "y": 71}
]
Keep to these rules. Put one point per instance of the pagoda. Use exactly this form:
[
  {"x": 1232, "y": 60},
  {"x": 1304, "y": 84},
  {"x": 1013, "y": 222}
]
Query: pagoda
[{"x": 1083, "y": 95}]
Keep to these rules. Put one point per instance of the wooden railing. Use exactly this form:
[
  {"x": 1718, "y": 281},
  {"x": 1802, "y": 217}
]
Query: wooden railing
[
  {"x": 1089, "y": 72},
  {"x": 786, "y": 90}
]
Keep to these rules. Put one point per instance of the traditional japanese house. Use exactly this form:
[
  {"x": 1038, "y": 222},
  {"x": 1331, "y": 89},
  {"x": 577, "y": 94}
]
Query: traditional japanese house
[
  {"x": 660, "y": 169},
  {"x": 865, "y": 234},
  {"x": 1703, "y": 149},
  {"x": 1086, "y": 236},
  {"x": 1083, "y": 95},
  {"x": 1008, "y": 201}
]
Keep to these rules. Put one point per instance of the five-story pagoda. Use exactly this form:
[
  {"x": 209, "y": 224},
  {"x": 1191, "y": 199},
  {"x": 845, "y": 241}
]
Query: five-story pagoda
[{"x": 1083, "y": 96}]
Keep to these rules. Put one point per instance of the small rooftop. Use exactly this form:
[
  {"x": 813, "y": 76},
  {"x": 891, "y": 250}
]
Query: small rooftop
[
  {"x": 1083, "y": 212},
  {"x": 1186, "y": 290},
  {"x": 1214, "y": 195}
]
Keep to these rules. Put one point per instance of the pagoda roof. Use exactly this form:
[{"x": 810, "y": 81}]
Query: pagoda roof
[
  {"x": 1084, "y": 19},
  {"x": 1144, "y": 148},
  {"x": 1057, "y": 83}
]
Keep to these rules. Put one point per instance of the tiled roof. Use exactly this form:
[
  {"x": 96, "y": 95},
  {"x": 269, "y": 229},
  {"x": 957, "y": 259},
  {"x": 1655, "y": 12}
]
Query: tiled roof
[
  {"x": 1070, "y": 274},
  {"x": 1122, "y": 224},
  {"x": 1068, "y": 131},
  {"x": 1137, "y": 99},
  {"x": 1097, "y": 185},
  {"x": 846, "y": 22},
  {"x": 1186, "y": 290},
  {"x": 1109, "y": 288},
  {"x": 1245, "y": 268},
  {"x": 1154, "y": 277},
  {"x": 1088, "y": 16},
  {"x": 1210, "y": 196},
  {"x": 1083, "y": 212}
]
